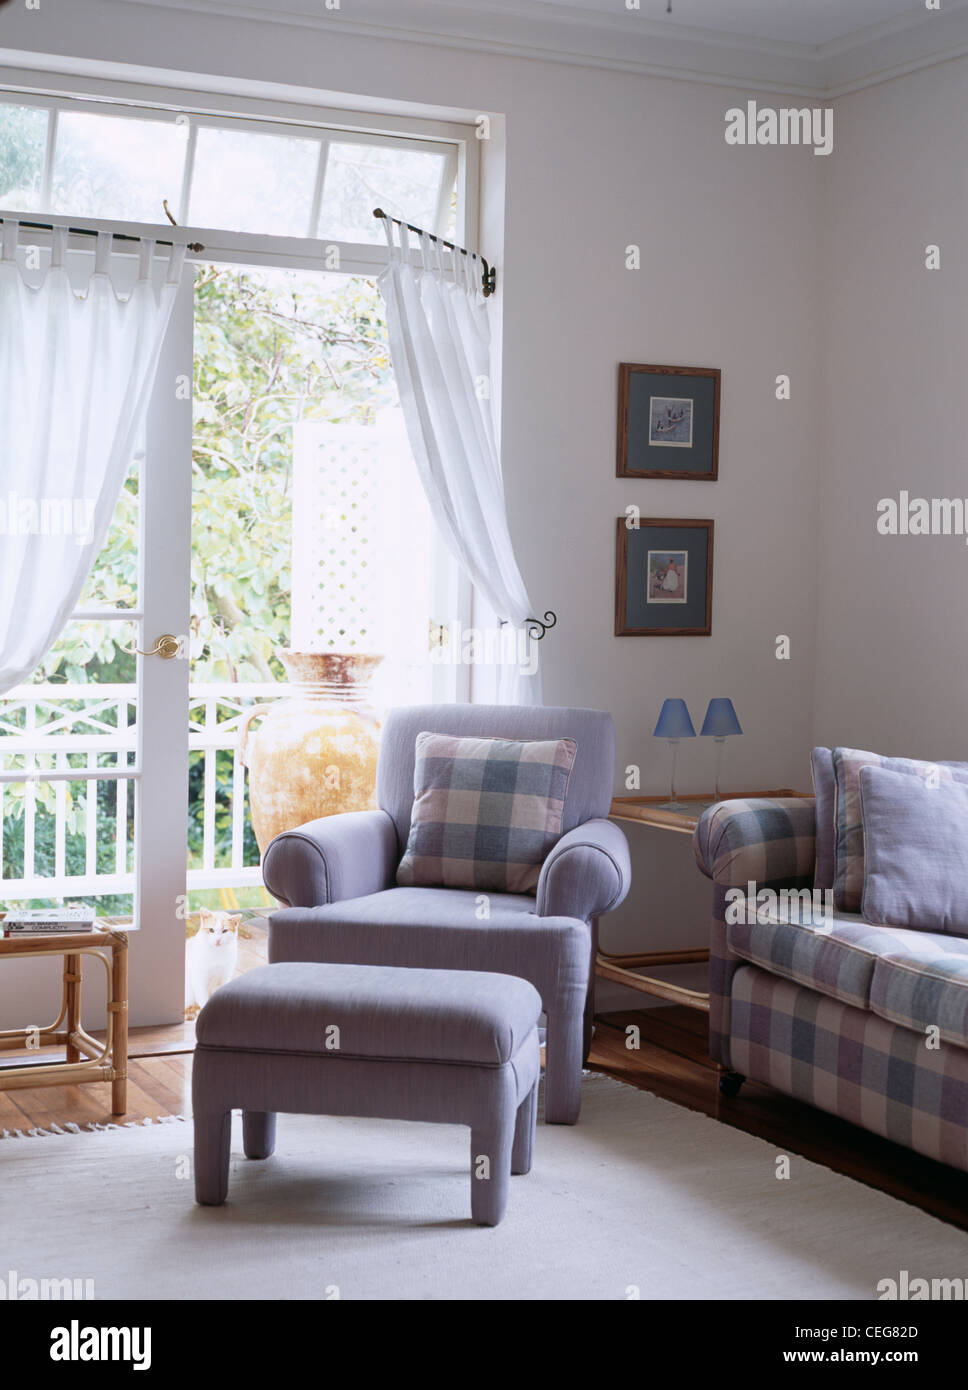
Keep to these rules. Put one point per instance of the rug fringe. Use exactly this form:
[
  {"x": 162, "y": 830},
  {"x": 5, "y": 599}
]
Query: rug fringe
[{"x": 70, "y": 1128}]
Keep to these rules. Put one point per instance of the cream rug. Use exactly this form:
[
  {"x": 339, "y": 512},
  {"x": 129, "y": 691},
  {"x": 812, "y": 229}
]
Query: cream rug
[{"x": 642, "y": 1198}]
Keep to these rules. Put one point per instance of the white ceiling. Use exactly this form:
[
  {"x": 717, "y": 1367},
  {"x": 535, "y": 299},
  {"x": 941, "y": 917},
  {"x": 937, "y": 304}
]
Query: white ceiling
[{"x": 813, "y": 22}]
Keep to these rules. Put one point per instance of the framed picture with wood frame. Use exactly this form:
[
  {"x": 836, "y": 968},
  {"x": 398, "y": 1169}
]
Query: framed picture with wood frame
[
  {"x": 663, "y": 577},
  {"x": 668, "y": 422}
]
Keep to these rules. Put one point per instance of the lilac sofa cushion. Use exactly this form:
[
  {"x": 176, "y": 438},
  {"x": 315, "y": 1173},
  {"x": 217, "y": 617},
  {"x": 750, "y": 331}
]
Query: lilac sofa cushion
[
  {"x": 915, "y": 851},
  {"x": 486, "y": 811},
  {"x": 380, "y": 1011},
  {"x": 848, "y": 762},
  {"x": 825, "y": 794}
]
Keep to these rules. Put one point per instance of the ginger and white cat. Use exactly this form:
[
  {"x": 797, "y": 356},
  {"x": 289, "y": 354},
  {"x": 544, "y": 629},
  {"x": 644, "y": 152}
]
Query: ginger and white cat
[{"x": 211, "y": 956}]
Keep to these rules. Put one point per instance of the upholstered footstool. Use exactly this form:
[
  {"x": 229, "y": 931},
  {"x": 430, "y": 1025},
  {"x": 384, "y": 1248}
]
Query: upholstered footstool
[{"x": 450, "y": 1046}]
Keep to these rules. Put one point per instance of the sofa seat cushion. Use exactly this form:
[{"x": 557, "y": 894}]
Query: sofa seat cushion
[
  {"x": 444, "y": 928},
  {"x": 925, "y": 985},
  {"x": 837, "y": 959},
  {"x": 380, "y": 1012}
]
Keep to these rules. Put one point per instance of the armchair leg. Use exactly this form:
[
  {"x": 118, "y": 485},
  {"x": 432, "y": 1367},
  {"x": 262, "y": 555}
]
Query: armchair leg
[
  {"x": 522, "y": 1151},
  {"x": 564, "y": 1043},
  {"x": 589, "y": 1019},
  {"x": 258, "y": 1133}
]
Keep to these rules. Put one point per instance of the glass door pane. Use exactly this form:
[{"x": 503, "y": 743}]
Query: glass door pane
[
  {"x": 311, "y": 534},
  {"x": 66, "y": 840}
]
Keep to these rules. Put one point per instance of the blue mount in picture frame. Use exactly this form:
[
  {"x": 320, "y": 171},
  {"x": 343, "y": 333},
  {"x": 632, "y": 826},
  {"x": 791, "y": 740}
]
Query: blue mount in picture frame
[
  {"x": 664, "y": 577},
  {"x": 668, "y": 422}
]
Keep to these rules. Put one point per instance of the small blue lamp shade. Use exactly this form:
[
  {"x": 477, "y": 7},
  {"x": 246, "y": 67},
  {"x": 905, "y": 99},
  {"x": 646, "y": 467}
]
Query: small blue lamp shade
[
  {"x": 720, "y": 719},
  {"x": 719, "y": 723},
  {"x": 674, "y": 721}
]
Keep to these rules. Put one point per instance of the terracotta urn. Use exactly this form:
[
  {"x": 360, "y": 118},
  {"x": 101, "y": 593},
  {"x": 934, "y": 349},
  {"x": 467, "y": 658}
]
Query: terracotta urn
[{"x": 315, "y": 752}]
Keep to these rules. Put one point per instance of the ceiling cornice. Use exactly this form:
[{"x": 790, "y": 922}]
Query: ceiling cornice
[{"x": 629, "y": 42}]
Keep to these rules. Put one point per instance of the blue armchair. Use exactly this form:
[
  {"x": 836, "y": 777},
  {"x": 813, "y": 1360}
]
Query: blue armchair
[{"x": 337, "y": 879}]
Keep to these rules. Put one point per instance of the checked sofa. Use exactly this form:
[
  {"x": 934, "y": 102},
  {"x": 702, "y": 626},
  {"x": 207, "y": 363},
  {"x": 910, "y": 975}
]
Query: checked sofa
[
  {"x": 337, "y": 879},
  {"x": 868, "y": 1022}
]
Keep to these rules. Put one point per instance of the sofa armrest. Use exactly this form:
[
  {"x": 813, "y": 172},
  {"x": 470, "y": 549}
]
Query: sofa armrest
[
  {"x": 770, "y": 842},
  {"x": 331, "y": 859},
  {"x": 586, "y": 874}
]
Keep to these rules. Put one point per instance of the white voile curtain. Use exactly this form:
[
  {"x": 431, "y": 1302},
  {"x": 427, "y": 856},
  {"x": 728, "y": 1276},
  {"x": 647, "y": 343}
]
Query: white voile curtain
[
  {"x": 440, "y": 346},
  {"x": 76, "y": 374}
]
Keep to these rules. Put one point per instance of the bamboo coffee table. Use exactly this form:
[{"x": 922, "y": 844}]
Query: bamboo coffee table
[
  {"x": 86, "y": 1059},
  {"x": 654, "y": 811}
]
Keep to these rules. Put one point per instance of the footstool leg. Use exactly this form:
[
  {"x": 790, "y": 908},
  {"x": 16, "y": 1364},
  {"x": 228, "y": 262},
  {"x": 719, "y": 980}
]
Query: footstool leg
[
  {"x": 258, "y": 1133},
  {"x": 213, "y": 1142},
  {"x": 524, "y": 1128},
  {"x": 491, "y": 1171}
]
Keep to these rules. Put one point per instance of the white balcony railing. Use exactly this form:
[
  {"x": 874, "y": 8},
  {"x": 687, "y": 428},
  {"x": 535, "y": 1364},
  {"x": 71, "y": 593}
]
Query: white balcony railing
[{"x": 60, "y": 743}]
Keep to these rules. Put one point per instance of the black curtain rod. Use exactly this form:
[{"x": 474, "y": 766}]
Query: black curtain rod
[
  {"x": 90, "y": 231},
  {"x": 489, "y": 275}
]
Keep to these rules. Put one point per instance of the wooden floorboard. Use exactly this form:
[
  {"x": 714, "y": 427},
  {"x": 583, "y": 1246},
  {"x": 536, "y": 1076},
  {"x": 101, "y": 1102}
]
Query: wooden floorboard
[{"x": 672, "y": 1061}]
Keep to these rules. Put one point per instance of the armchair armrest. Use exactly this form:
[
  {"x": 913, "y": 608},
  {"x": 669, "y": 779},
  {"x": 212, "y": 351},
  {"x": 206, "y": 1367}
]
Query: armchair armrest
[
  {"x": 331, "y": 859},
  {"x": 768, "y": 841},
  {"x": 586, "y": 874}
]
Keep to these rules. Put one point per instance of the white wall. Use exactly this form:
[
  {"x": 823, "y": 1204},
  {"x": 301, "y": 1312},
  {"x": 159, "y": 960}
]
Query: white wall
[
  {"x": 892, "y": 661},
  {"x": 597, "y": 160}
]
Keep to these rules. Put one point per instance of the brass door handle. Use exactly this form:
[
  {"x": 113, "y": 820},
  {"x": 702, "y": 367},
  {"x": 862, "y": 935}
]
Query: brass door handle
[{"x": 166, "y": 647}]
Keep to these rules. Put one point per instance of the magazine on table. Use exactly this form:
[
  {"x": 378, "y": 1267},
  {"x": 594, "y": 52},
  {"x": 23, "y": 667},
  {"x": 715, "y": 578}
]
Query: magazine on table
[{"x": 46, "y": 921}]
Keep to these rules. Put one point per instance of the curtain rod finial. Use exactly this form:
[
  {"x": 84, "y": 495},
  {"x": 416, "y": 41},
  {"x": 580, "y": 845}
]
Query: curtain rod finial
[{"x": 378, "y": 212}]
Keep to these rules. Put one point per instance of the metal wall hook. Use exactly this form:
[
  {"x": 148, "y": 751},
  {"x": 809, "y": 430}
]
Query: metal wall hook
[{"x": 532, "y": 625}]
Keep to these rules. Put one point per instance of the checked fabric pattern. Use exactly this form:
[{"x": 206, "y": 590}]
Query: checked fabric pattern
[
  {"x": 769, "y": 842},
  {"x": 838, "y": 1018},
  {"x": 486, "y": 811},
  {"x": 852, "y": 1063}
]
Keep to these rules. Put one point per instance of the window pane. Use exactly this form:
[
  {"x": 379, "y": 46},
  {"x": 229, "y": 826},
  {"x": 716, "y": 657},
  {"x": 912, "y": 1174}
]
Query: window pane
[
  {"x": 359, "y": 178},
  {"x": 23, "y": 134},
  {"x": 253, "y": 183},
  {"x": 114, "y": 166}
]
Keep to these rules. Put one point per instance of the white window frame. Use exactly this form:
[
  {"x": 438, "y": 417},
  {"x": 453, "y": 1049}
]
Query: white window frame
[
  {"x": 344, "y": 124},
  {"x": 457, "y": 141}
]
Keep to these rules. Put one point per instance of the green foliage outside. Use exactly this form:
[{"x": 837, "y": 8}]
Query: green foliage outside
[
  {"x": 23, "y": 134},
  {"x": 271, "y": 348}
]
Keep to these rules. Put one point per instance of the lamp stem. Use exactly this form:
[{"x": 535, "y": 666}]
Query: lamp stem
[
  {"x": 720, "y": 745},
  {"x": 672, "y": 775}
]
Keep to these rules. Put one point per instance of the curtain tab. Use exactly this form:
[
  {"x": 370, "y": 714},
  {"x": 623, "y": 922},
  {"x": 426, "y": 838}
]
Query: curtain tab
[
  {"x": 391, "y": 244},
  {"x": 176, "y": 262},
  {"x": 102, "y": 253},
  {"x": 406, "y": 250},
  {"x": 58, "y": 247},
  {"x": 11, "y": 229},
  {"x": 146, "y": 251},
  {"x": 430, "y": 253}
]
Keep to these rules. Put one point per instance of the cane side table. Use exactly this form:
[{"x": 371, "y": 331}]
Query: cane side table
[
  {"x": 682, "y": 820},
  {"x": 86, "y": 1059}
]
